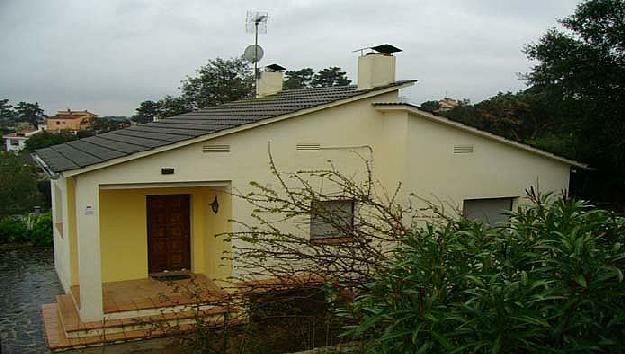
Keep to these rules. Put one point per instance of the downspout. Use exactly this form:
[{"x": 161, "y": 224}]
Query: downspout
[{"x": 44, "y": 166}]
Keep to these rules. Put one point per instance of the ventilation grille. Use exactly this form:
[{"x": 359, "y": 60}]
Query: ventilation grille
[
  {"x": 308, "y": 147},
  {"x": 463, "y": 149},
  {"x": 216, "y": 148}
]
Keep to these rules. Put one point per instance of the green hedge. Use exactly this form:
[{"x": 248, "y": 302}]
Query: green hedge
[
  {"x": 550, "y": 282},
  {"x": 36, "y": 229}
]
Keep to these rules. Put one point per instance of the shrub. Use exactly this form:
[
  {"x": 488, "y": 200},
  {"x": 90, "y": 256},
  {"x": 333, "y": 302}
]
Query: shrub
[
  {"x": 41, "y": 232},
  {"x": 12, "y": 230},
  {"x": 550, "y": 282},
  {"x": 36, "y": 229}
]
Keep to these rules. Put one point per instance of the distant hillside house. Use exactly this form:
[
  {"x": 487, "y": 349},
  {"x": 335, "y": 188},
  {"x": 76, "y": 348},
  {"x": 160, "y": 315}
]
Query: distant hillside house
[
  {"x": 69, "y": 120},
  {"x": 446, "y": 104},
  {"x": 15, "y": 142}
]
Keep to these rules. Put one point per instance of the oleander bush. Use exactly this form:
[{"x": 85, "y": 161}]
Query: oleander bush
[{"x": 549, "y": 282}]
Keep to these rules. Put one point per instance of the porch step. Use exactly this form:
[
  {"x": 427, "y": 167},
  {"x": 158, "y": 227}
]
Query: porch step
[
  {"x": 63, "y": 333},
  {"x": 57, "y": 340},
  {"x": 167, "y": 317}
]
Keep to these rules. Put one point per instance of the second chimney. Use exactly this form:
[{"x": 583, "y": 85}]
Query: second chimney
[
  {"x": 377, "y": 69},
  {"x": 270, "y": 81}
]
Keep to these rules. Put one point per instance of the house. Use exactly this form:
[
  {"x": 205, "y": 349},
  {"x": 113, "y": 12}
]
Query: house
[
  {"x": 149, "y": 199},
  {"x": 16, "y": 142},
  {"x": 69, "y": 120},
  {"x": 447, "y": 104}
]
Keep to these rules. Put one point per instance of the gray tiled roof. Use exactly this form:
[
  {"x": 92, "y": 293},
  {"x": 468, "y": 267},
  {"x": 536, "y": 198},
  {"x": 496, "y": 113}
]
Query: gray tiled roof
[{"x": 144, "y": 137}]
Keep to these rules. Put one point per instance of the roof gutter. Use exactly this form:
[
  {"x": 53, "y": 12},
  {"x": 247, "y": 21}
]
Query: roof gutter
[{"x": 42, "y": 164}]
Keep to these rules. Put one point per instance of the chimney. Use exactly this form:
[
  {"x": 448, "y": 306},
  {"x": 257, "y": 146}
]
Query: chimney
[
  {"x": 270, "y": 81},
  {"x": 377, "y": 68}
]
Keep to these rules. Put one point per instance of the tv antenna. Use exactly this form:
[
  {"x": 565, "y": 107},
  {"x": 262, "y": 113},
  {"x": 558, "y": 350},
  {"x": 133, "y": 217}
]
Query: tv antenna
[{"x": 255, "y": 22}]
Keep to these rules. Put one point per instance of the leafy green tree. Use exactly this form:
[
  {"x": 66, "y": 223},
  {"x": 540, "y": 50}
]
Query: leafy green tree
[
  {"x": 7, "y": 112},
  {"x": 332, "y": 76},
  {"x": 109, "y": 123},
  {"x": 146, "y": 112},
  {"x": 582, "y": 68},
  {"x": 430, "y": 106},
  {"x": 298, "y": 79},
  {"x": 29, "y": 112},
  {"x": 18, "y": 185},
  {"x": 44, "y": 139},
  {"x": 217, "y": 82},
  {"x": 169, "y": 106}
]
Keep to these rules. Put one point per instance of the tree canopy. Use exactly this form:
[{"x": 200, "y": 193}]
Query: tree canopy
[
  {"x": 18, "y": 185},
  {"x": 225, "y": 80},
  {"x": 575, "y": 103},
  {"x": 581, "y": 69}
]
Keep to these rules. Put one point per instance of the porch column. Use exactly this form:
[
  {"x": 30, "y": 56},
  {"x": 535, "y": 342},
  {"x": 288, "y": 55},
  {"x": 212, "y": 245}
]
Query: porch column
[{"x": 88, "y": 227}]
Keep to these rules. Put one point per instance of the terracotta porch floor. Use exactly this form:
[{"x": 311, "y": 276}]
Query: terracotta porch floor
[{"x": 149, "y": 293}]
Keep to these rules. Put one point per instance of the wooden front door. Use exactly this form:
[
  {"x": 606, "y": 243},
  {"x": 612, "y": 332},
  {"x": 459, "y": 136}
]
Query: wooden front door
[{"x": 169, "y": 233}]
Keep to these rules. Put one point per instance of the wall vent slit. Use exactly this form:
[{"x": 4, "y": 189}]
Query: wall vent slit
[
  {"x": 308, "y": 147},
  {"x": 463, "y": 149},
  {"x": 216, "y": 148}
]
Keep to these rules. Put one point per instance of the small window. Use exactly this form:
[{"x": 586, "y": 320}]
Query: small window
[
  {"x": 331, "y": 221},
  {"x": 57, "y": 122},
  {"x": 491, "y": 211}
]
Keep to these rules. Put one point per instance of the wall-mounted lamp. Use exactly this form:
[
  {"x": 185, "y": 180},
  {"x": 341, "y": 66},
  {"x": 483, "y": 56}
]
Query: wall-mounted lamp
[{"x": 215, "y": 205}]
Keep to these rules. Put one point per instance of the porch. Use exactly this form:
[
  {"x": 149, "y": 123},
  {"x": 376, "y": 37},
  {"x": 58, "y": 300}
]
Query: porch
[
  {"x": 135, "y": 309},
  {"x": 120, "y": 239}
]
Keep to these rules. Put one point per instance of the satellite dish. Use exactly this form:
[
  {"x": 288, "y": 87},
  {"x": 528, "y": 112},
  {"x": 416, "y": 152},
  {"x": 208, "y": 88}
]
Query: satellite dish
[{"x": 253, "y": 53}]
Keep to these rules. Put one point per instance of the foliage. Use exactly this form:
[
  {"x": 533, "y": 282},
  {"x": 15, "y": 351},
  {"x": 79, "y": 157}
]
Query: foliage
[
  {"x": 36, "y": 229},
  {"x": 29, "y": 112},
  {"x": 146, "y": 112},
  {"x": 7, "y": 113},
  {"x": 169, "y": 106},
  {"x": 18, "y": 185},
  {"x": 12, "y": 230},
  {"x": 430, "y": 106},
  {"x": 332, "y": 76},
  {"x": 582, "y": 69},
  {"x": 24, "y": 112},
  {"x": 107, "y": 124},
  {"x": 41, "y": 232},
  {"x": 550, "y": 282},
  {"x": 217, "y": 82},
  {"x": 298, "y": 79},
  {"x": 273, "y": 248},
  {"x": 44, "y": 139},
  {"x": 306, "y": 78}
]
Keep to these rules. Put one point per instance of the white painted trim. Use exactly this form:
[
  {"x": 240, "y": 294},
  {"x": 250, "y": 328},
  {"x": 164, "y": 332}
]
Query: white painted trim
[
  {"x": 209, "y": 136},
  {"x": 394, "y": 107},
  {"x": 215, "y": 184}
]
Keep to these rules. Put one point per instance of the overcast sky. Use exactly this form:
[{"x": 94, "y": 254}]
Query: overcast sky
[{"x": 109, "y": 55}]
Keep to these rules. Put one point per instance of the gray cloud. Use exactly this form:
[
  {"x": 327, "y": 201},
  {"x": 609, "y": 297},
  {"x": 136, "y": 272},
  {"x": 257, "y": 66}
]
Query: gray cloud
[{"x": 107, "y": 56}]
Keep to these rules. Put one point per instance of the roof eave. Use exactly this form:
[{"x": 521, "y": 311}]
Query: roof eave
[
  {"x": 366, "y": 94},
  {"x": 415, "y": 110}
]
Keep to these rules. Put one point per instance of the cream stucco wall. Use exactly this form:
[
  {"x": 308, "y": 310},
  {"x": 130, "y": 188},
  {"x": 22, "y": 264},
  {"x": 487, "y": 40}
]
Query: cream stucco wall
[
  {"x": 64, "y": 231},
  {"x": 494, "y": 169},
  {"x": 400, "y": 146}
]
